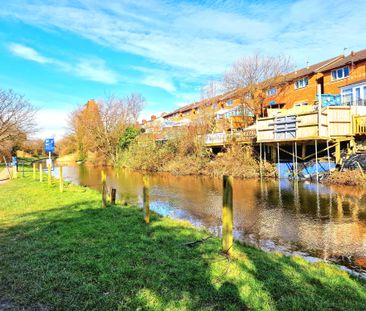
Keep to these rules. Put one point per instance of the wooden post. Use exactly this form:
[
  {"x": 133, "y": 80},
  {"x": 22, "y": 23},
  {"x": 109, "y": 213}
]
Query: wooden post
[
  {"x": 273, "y": 153},
  {"x": 113, "y": 196},
  {"x": 34, "y": 171},
  {"x": 40, "y": 173},
  {"x": 49, "y": 174},
  {"x": 61, "y": 178},
  {"x": 293, "y": 160},
  {"x": 316, "y": 160},
  {"x": 303, "y": 151},
  {"x": 260, "y": 159},
  {"x": 146, "y": 198},
  {"x": 328, "y": 156},
  {"x": 15, "y": 171},
  {"x": 104, "y": 189},
  {"x": 279, "y": 160},
  {"x": 296, "y": 168},
  {"x": 338, "y": 152},
  {"x": 227, "y": 215}
]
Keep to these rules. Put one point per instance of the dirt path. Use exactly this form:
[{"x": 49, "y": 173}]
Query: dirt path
[{"x": 4, "y": 176}]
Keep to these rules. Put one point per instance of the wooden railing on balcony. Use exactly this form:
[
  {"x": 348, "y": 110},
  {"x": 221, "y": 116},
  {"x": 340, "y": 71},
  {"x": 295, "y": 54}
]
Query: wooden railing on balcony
[
  {"x": 219, "y": 139},
  {"x": 359, "y": 125}
]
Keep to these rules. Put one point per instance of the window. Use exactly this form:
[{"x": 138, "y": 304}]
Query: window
[
  {"x": 347, "y": 96},
  {"x": 301, "y": 83},
  {"x": 215, "y": 106},
  {"x": 229, "y": 102},
  {"x": 340, "y": 73},
  {"x": 272, "y": 91},
  {"x": 299, "y": 104}
]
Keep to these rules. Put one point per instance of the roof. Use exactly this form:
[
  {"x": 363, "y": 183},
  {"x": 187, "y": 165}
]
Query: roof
[
  {"x": 353, "y": 57},
  {"x": 318, "y": 67},
  {"x": 326, "y": 65}
]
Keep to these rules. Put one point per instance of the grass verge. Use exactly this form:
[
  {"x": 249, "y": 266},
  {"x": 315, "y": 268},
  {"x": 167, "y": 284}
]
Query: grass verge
[{"x": 61, "y": 251}]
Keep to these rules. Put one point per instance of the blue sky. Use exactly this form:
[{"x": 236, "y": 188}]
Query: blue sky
[{"x": 60, "y": 53}]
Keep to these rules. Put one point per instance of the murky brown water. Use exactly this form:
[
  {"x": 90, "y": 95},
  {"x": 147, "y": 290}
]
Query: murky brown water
[{"x": 328, "y": 222}]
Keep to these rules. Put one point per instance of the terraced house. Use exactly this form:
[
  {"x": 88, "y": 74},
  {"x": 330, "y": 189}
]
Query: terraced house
[{"x": 314, "y": 111}]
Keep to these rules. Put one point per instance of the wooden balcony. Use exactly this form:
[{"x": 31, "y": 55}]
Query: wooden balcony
[{"x": 331, "y": 122}]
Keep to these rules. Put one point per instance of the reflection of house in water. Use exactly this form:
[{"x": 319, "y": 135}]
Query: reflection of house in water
[{"x": 319, "y": 219}]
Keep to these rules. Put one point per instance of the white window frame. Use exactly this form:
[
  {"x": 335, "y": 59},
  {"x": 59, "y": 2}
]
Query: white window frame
[
  {"x": 334, "y": 73},
  {"x": 303, "y": 81},
  {"x": 271, "y": 91}
]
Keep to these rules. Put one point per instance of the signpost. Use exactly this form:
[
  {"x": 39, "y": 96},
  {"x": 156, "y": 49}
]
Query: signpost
[{"x": 49, "y": 146}]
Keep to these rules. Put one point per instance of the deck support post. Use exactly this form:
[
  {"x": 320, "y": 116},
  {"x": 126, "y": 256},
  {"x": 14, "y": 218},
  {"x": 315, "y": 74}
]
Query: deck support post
[
  {"x": 279, "y": 160},
  {"x": 260, "y": 159},
  {"x": 296, "y": 170},
  {"x": 273, "y": 153},
  {"x": 328, "y": 155},
  {"x": 293, "y": 160},
  {"x": 316, "y": 160},
  {"x": 303, "y": 150},
  {"x": 338, "y": 152}
]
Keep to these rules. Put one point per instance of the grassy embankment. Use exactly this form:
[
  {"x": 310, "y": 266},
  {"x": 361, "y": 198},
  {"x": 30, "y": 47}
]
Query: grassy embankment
[{"x": 62, "y": 251}]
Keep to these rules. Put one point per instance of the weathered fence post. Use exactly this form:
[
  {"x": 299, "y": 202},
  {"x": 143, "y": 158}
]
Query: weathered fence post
[
  {"x": 104, "y": 189},
  {"x": 146, "y": 198},
  {"x": 49, "y": 174},
  {"x": 34, "y": 171},
  {"x": 40, "y": 173},
  {"x": 61, "y": 177},
  {"x": 113, "y": 196},
  {"x": 15, "y": 171},
  {"x": 227, "y": 215}
]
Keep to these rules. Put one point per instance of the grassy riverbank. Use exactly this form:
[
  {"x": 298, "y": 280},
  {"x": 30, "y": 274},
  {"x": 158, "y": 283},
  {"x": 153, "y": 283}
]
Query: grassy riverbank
[{"x": 62, "y": 251}]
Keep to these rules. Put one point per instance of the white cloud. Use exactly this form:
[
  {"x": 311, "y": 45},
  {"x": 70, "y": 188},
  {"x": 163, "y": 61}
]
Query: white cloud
[
  {"x": 96, "y": 70},
  {"x": 52, "y": 122},
  {"x": 28, "y": 53},
  {"x": 203, "y": 39},
  {"x": 165, "y": 84},
  {"x": 93, "y": 69}
]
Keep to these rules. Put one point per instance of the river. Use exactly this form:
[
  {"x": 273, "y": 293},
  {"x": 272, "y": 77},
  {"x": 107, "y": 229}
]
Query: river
[{"x": 308, "y": 219}]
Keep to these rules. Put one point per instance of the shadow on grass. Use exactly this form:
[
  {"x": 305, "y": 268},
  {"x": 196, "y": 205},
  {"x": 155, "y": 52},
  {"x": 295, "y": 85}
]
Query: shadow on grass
[
  {"x": 82, "y": 258},
  {"x": 107, "y": 259}
]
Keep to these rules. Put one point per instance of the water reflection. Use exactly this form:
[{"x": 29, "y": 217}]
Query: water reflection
[{"x": 326, "y": 221}]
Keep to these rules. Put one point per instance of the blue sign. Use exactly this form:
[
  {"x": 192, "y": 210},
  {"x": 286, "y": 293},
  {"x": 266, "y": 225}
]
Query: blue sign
[{"x": 49, "y": 145}]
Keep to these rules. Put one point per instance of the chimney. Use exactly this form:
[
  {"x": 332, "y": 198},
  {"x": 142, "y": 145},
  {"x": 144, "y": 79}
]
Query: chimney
[
  {"x": 153, "y": 117},
  {"x": 353, "y": 53}
]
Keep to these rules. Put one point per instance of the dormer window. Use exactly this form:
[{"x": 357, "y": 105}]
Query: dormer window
[
  {"x": 301, "y": 83},
  {"x": 272, "y": 91},
  {"x": 340, "y": 73},
  {"x": 229, "y": 103},
  {"x": 215, "y": 106}
]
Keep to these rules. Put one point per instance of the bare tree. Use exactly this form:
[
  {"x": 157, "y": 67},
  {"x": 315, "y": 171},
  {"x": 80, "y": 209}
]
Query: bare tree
[
  {"x": 212, "y": 89},
  {"x": 17, "y": 118},
  {"x": 98, "y": 126},
  {"x": 253, "y": 75}
]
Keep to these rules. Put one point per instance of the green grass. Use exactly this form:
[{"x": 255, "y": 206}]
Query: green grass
[{"x": 61, "y": 251}]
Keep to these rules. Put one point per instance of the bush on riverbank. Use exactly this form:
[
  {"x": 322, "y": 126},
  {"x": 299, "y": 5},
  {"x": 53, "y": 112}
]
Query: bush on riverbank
[
  {"x": 186, "y": 156},
  {"x": 349, "y": 178},
  {"x": 63, "y": 251}
]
